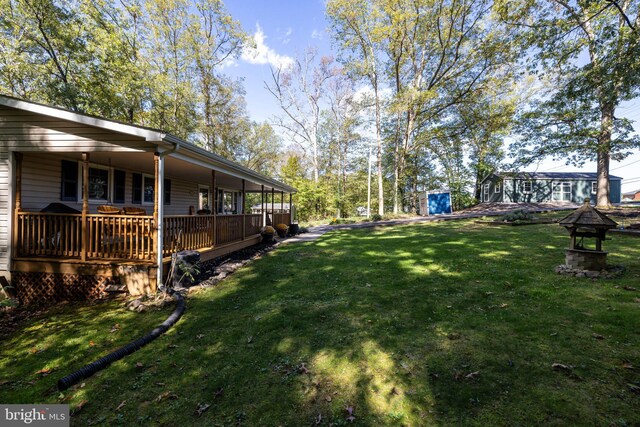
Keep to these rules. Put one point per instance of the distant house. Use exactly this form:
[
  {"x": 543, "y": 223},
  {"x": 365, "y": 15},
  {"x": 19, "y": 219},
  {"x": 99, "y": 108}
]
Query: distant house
[
  {"x": 632, "y": 196},
  {"x": 537, "y": 187}
]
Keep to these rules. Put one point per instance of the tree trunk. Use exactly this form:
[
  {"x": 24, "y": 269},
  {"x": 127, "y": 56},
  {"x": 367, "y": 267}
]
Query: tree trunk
[
  {"x": 379, "y": 154},
  {"x": 607, "y": 111}
]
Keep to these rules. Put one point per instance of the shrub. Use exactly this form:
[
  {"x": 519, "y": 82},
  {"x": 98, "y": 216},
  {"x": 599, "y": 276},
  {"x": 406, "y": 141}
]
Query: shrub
[
  {"x": 376, "y": 217},
  {"x": 268, "y": 230},
  {"x": 519, "y": 215},
  {"x": 282, "y": 228}
]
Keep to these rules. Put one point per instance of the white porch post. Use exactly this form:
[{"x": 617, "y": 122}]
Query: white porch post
[
  {"x": 158, "y": 212},
  {"x": 85, "y": 206},
  {"x": 262, "y": 207}
]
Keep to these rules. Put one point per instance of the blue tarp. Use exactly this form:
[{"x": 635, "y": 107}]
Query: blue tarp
[{"x": 439, "y": 203}]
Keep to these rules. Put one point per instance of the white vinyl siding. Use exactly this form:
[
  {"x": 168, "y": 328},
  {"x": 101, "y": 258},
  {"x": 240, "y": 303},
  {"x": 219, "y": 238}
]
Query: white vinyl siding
[
  {"x": 5, "y": 209},
  {"x": 41, "y": 175}
]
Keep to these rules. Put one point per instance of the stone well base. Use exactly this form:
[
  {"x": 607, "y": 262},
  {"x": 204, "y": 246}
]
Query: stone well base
[{"x": 582, "y": 259}]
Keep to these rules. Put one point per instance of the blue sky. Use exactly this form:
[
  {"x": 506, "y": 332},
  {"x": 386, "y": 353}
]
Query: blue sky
[{"x": 282, "y": 29}]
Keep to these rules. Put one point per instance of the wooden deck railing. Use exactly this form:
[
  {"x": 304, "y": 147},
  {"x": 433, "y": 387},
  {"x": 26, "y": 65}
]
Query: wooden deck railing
[
  {"x": 125, "y": 237},
  {"x": 187, "y": 232},
  {"x": 281, "y": 218},
  {"x": 228, "y": 229},
  {"x": 111, "y": 237},
  {"x": 252, "y": 224},
  {"x": 120, "y": 237}
]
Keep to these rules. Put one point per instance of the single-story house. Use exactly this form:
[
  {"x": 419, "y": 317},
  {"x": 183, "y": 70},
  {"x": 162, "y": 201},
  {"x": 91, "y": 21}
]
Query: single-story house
[
  {"x": 538, "y": 187},
  {"x": 633, "y": 196},
  {"x": 86, "y": 202}
]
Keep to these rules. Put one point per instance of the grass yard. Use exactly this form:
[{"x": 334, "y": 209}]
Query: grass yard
[{"x": 433, "y": 324}]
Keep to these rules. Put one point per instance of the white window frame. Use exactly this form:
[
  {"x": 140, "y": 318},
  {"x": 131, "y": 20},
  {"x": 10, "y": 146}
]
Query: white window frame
[
  {"x": 558, "y": 191},
  {"x": 497, "y": 187},
  {"x": 485, "y": 192},
  {"x": 109, "y": 183},
  {"x": 562, "y": 188},
  {"x": 524, "y": 187},
  {"x": 153, "y": 179},
  {"x": 594, "y": 187},
  {"x": 200, "y": 205},
  {"x": 236, "y": 196}
]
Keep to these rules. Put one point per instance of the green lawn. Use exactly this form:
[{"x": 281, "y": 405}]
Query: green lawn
[{"x": 434, "y": 324}]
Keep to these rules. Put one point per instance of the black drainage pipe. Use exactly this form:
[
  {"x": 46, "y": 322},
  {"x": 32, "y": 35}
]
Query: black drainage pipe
[{"x": 100, "y": 364}]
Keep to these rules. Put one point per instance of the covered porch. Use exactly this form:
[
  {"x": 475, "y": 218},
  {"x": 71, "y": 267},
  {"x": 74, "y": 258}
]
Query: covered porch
[{"x": 130, "y": 209}]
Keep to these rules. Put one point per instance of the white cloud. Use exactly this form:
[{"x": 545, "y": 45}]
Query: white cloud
[
  {"x": 317, "y": 34},
  {"x": 287, "y": 36},
  {"x": 260, "y": 53}
]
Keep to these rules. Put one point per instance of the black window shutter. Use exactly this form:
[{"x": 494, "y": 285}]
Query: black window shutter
[
  {"x": 167, "y": 191},
  {"x": 119, "y": 179},
  {"x": 69, "y": 181},
  {"x": 136, "y": 190}
]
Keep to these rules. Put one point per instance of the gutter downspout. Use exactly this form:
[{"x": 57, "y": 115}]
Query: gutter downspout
[{"x": 160, "y": 224}]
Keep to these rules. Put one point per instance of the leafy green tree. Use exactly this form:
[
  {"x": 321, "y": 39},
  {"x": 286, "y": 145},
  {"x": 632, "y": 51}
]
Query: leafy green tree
[
  {"x": 356, "y": 27},
  {"x": 590, "y": 53}
]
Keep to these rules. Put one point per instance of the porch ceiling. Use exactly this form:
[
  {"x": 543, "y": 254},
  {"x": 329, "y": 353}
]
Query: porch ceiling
[{"x": 174, "y": 168}]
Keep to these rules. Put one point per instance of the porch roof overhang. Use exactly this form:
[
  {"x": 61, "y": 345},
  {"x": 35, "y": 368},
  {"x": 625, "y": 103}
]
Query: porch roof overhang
[{"x": 163, "y": 142}]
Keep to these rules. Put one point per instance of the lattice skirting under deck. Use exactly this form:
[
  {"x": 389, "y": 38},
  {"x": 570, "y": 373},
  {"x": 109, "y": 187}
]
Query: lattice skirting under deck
[{"x": 46, "y": 288}]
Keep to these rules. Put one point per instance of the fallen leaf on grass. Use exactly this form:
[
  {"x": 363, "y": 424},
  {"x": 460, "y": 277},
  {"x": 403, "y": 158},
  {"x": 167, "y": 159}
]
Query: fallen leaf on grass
[
  {"x": 598, "y": 336},
  {"x": 139, "y": 365},
  {"x": 115, "y": 328},
  {"x": 201, "y": 408},
  {"x": 350, "y": 417},
  {"x": 318, "y": 420},
  {"x": 91, "y": 344},
  {"x": 250, "y": 340},
  {"x": 78, "y": 408},
  {"x": 636, "y": 299},
  {"x": 328, "y": 398},
  {"x": 504, "y": 305},
  {"x": 167, "y": 395},
  {"x": 561, "y": 367},
  {"x": 160, "y": 384},
  {"x": 472, "y": 375},
  {"x": 303, "y": 369},
  {"x": 394, "y": 391},
  {"x": 629, "y": 288},
  {"x": 627, "y": 365},
  {"x": 121, "y": 405},
  {"x": 199, "y": 336},
  {"x": 44, "y": 372}
]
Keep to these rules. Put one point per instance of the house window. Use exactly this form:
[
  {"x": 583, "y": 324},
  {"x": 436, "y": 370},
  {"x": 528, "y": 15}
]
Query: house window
[
  {"x": 594, "y": 187},
  {"x": 148, "y": 189},
  {"x": 143, "y": 189},
  {"x": 526, "y": 187},
  {"x": 486, "y": 192},
  {"x": 69, "y": 181},
  {"x": 498, "y": 187},
  {"x": 228, "y": 201},
  {"x": 119, "y": 182},
  {"x": 203, "y": 198},
  {"x": 562, "y": 191}
]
